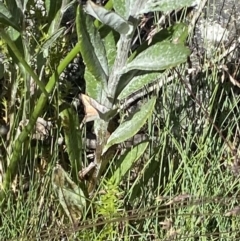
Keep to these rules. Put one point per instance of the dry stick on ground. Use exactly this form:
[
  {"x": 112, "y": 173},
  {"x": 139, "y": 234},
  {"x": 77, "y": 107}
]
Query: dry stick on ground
[{"x": 196, "y": 16}]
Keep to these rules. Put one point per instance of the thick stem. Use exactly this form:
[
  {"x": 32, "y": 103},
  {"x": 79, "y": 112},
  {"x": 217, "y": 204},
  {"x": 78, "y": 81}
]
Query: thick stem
[
  {"x": 124, "y": 45},
  {"x": 102, "y": 134},
  {"x": 123, "y": 48}
]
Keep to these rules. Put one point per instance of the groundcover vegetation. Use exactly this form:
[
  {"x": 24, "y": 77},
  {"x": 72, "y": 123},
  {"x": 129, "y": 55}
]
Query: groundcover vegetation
[{"x": 118, "y": 121}]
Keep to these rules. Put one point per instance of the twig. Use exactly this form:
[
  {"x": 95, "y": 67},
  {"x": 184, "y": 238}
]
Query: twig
[{"x": 196, "y": 16}]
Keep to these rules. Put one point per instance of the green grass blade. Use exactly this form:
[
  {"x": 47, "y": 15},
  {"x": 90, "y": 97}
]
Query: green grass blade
[
  {"x": 21, "y": 59},
  {"x": 72, "y": 139},
  {"x": 15, "y": 159},
  {"x": 128, "y": 161}
]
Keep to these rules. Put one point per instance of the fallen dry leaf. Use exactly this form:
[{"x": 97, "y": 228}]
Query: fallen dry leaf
[
  {"x": 179, "y": 198},
  {"x": 91, "y": 113},
  {"x": 233, "y": 212}
]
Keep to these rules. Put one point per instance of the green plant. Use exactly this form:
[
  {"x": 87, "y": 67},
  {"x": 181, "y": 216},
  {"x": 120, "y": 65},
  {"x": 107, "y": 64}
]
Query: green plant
[
  {"x": 113, "y": 73},
  {"x": 20, "y": 48}
]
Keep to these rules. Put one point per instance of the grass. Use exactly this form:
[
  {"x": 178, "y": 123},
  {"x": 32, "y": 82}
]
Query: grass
[{"x": 182, "y": 188}]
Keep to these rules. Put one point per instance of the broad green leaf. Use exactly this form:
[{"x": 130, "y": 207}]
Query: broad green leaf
[
  {"x": 108, "y": 6},
  {"x": 130, "y": 127},
  {"x": 127, "y": 162},
  {"x": 6, "y": 18},
  {"x": 121, "y": 8},
  {"x": 94, "y": 88},
  {"x": 109, "y": 18},
  {"x": 97, "y": 45},
  {"x": 92, "y": 50},
  {"x": 110, "y": 39},
  {"x": 72, "y": 134},
  {"x": 138, "y": 83},
  {"x": 13, "y": 34},
  {"x": 125, "y": 79},
  {"x": 134, "y": 8},
  {"x": 160, "y": 56},
  {"x": 5, "y": 11},
  {"x": 176, "y": 34},
  {"x": 165, "y": 5},
  {"x": 180, "y": 33}
]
